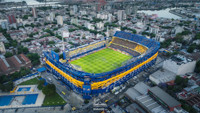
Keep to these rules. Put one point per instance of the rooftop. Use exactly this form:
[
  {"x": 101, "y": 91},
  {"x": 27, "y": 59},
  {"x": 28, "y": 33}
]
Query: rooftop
[
  {"x": 162, "y": 76},
  {"x": 165, "y": 97},
  {"x": 141, "y": 88},
  {"x": 150, "y": 104},
  {"x": 132, "y": 93},
  {"x": 180, "y": 59},
  {"x": 13, "y": 63}
]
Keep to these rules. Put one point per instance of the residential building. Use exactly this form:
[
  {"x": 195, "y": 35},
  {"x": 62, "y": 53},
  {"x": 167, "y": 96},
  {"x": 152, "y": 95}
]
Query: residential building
[
  {"x": 34, "y": 12},
  {"x": 2, "y": 48},
  {"x": 4, "y": 24},
  {"x": 74, "y": 21},
  {"x": 121, "y": 15},
  {"x": 52, "y": 16},
  {"x": 60, "y": 20},
  {"x": 100, "y": 25},
  {"x": 11, "y": 19},
  {"x": 3, "y": 38}
]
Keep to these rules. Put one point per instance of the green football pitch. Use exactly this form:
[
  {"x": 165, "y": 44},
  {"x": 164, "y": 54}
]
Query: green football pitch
[{"x": 101, "y": 61}]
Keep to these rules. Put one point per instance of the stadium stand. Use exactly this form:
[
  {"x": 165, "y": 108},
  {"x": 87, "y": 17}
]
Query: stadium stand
[
  {"x": 126, "y": 43},
  {"x": 140, "y": 49},
  {"x": 86, "y": 48},
  {"x": 127, "y": 50},
  {"x": 127, "y": 46}
]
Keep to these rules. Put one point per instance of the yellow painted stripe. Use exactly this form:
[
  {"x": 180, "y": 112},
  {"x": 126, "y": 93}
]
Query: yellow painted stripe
[{"x": 68, "y": 77}]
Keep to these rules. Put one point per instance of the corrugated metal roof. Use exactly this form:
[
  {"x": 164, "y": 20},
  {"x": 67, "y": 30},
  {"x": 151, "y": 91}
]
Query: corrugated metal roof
[
  {"x": 165, "y": 97},
  {"x": 132, "y": 93},
  {"x": 141, "y": 88},
  {"x": 6, "y": 63},
  {"x": 17, "y": 59},
  {"x": 24, "y": 57}
]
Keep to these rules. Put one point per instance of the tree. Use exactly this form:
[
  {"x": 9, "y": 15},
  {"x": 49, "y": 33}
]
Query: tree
[
  {"x": 61, "y": 56},
  {"x": 166, "y": 43},
  {"x": 57, "y": 50},
  {"x": 51, "y": 42},
  {"x": 3, "y": 78},
  {"x": 8, "y": 54},
  {"x": 13, "y": 43},
  {"x": 50, "y": 32},
  {"x": 22, "y": 49},
  {"x": 7, "y": 87},
  {"x": 178, "y": 80},
  {"x": 86, "y": 101},
  {"x": 35, "y": 58},
  {"x": 197, "y": 36},
  {"x": 25, "y": 17},
  {"x": 186, "y": 32},
  {"x": 191, "y": 48},
  {"x": 59, "y": 37},
  {"x": 41, "y": 84},
  {"x": 49, "y": 90}
]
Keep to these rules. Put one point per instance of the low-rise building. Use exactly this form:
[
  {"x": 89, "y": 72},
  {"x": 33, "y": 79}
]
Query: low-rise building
[
  {"x": 163, "y": 98},
  {"x": 162, "y": 76},
  {"x": 180, "y": 64},
  {"x": 2, "y": 48},
  {"x": 13, "y": 64},
  {"x": 3, "y": 38}
]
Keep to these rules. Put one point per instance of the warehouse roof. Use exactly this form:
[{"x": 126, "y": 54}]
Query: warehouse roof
[
  {"x": 162, "y": 76},
  {"x": 141, "y": 87},
  {"x": 132, "y": 93},
  {"x": 165, "y": 97}
]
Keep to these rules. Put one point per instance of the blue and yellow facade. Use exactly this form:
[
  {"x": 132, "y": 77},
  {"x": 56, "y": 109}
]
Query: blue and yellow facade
[{"x": 89, "y": 84}]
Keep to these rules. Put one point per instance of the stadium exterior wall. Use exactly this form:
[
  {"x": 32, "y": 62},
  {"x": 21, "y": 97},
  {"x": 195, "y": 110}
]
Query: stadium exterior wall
[{"x": 89, "y": 84}]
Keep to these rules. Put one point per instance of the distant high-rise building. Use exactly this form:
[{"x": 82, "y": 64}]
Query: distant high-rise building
[
  {"x": 135, "y": 9},
  {"x": 121, "y": 15},
  {"x": 75, "y": 9},
  {"x": 128, "y": 10},
  {"x": 110, "y": 17},
  {"x": 34, "y": 12},
  {"x": 11, "y": 19},
  {"x": 52, "y": 16},
  {"x": 60, "y": 20}
]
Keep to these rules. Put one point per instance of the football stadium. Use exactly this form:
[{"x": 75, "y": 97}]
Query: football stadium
[{"x": 98, "y": 67}]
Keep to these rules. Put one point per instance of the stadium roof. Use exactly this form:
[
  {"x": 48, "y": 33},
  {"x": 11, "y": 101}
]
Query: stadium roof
[
  {"x": 41, "y": 69},
  {"x": 165, "y": 97}
]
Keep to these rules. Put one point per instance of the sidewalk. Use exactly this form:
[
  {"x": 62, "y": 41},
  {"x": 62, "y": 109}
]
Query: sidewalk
[{"x": 38, "y": 110}]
